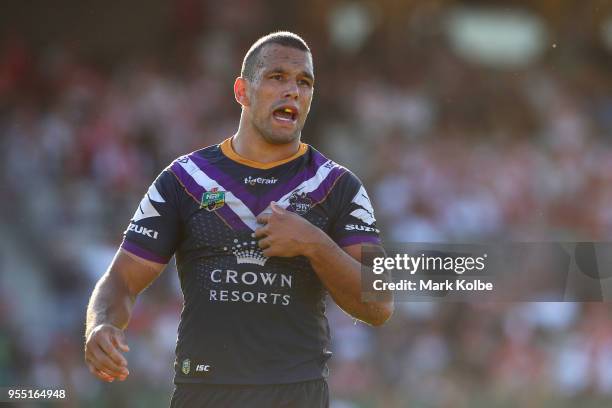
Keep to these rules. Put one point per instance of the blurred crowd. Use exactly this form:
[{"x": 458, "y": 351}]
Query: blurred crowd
[{"x": 449, "y": 150}]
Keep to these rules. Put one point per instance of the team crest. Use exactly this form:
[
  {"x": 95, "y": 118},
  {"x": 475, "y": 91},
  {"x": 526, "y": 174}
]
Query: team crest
[
  {"x": 300, "y": 203},
  {"x": 186, "y": 367},
  {"x": 213, "y": 200}
]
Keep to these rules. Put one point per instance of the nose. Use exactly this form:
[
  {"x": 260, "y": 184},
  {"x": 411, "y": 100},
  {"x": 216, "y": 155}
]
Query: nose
[{"x": 292, "y": 90}]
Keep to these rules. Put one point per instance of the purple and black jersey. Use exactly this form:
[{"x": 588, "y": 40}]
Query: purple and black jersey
[{"x": 247, "y": 319}]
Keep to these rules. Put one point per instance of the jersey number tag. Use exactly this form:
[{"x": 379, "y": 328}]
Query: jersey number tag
[{"x": 213, "y": 199}]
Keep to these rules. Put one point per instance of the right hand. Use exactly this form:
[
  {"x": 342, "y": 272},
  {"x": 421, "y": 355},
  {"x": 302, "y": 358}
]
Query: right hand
[{"x": 103, "y": 354}]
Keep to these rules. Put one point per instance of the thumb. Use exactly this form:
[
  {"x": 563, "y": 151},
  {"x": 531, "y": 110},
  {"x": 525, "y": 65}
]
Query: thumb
[
  {"x": 276, "y": 208},
  {"x": 120, "y": 342}
]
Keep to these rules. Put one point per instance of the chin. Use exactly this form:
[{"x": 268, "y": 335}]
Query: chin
[{"x": 275, "y": 138}]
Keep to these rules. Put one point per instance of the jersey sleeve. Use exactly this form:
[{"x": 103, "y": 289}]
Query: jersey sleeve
[
  {"x": 354, "y": 222},
  {"x": 153, "y": 230}
]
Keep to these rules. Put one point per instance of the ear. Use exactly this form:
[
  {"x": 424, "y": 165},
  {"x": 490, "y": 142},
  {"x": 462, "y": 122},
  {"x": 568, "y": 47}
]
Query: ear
[{"x": 240, "y": 91}]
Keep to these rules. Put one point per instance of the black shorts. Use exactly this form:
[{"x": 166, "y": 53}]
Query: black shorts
[{"x": 308, "y": 394}]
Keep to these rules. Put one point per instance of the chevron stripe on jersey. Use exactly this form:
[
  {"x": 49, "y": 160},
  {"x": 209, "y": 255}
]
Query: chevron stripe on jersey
[
  {"x": 297, "y": 183},
  {"x": 257, "y": 204},
  {"x": 319, "y": 185},
  {"x": 198, "y": 176},
  {"x": 196, "y": 182}
]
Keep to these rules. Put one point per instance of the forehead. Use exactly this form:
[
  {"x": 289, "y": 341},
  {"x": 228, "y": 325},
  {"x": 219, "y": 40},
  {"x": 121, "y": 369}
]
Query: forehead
[{"x": 274, "y": 56}]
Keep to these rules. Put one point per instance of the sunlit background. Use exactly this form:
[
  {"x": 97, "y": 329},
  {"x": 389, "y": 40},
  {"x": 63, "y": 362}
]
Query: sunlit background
[{"x": 466, "y": 120}]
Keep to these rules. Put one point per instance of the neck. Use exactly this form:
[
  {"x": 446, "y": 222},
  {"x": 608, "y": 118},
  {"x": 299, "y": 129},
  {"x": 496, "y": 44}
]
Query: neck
[{"x": 249, "y": 144}]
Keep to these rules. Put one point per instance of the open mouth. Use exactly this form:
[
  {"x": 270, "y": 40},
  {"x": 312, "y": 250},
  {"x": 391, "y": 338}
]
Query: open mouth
[{"x": 287, "y": 114}]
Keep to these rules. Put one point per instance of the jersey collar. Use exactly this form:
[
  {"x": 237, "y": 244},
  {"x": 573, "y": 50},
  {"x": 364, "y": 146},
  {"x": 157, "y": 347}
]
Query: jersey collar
[{"x": 228, "y": 150}]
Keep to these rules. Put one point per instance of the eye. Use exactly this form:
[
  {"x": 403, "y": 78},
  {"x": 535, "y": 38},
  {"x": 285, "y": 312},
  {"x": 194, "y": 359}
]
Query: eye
[
  {"x": 276, "y": 77},
  {"x": 305, "y": 82}
]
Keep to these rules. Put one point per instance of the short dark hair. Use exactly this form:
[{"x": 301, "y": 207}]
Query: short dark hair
[{"x": 284, "y": 38}]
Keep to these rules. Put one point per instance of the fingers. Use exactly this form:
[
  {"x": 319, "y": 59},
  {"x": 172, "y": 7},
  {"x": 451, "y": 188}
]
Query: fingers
[
  {"x": 102, "y": 361},
  {"x": 103, "y": 353},
  {"x": 120, "y": 343},
  {"x": 263, "y": 218},
  {"x": 111, "y": 351},
  {"x": 124, "y": 347},
  {"x": 269, "y": 252},
  {"x": 277, "y": 208},
  {"x": 261, "y": 232},
  {"x": 264, "y": 243},
  {"x": 99, "y": 373},
  {"x": 103, "y": 375}
]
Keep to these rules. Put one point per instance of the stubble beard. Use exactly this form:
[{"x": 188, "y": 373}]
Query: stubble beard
[{"x": 275, "y": 138}]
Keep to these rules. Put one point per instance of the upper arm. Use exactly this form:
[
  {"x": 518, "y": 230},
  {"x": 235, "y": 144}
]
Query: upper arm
[
  {"x": 153, "y": 233},
  {"x": 372, "y": 250},
  {"x": 133, "y": 272},
  {"x": 151, "y": 238},
  {"x": 356, "y": 250},
  {"x": 354, "y": 223}
]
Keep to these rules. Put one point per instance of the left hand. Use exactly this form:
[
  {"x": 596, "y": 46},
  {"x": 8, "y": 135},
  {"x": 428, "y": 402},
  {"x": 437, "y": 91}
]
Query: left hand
[{"x": 286, "y": 234}]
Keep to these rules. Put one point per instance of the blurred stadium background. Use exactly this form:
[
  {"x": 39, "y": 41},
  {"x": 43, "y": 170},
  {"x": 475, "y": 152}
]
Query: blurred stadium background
[{"x": 467, "y": 120}]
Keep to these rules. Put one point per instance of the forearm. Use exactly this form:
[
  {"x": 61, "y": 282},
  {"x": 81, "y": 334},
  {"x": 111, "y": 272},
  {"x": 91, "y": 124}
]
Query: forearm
[
  {"x": 287, "y": 234},
  {"x": 110, "y": 303},
  {"x": 115, "y": 293},
  {"x": 341, "y": 275}
]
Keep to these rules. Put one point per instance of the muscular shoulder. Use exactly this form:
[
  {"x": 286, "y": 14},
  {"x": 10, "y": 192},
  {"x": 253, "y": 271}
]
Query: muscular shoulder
[
  {"x": 208, "y": 154},
  {"x": 184, "y": 167},
  {"x": 348, "y": 201},
  {"x": 345, "y": 183}
]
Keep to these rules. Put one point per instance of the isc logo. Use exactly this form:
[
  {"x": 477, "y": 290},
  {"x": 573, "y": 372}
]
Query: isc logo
[{"x": 202, "y": 368}]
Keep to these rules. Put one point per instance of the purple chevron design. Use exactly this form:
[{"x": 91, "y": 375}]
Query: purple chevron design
[
  {"x": 227, "y": 183},
  {"x": 326, "y": 185},
  {"x": 255, "y": 203},
  {"x": 196, "y": 191},
  {"x": 274, "y": 195}
]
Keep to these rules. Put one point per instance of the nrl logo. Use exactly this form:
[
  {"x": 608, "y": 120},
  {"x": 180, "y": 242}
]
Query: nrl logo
[
  {"x": 186, "y": 366},
  {"x": 300, "y": 203},
  {"x": 213, "y": 200}
]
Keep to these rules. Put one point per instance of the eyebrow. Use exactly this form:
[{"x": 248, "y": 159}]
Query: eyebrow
[{"x": 283, "y": 71}]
